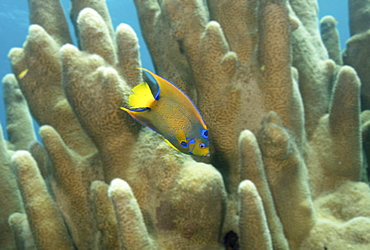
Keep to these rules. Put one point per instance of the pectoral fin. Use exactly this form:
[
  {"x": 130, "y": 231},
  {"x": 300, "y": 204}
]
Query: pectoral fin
[{"x": 180, "y": 136}]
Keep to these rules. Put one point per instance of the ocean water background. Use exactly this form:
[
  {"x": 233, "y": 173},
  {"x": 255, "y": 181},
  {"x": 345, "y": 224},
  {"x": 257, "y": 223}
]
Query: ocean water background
[{"x": 14, "y": 25}]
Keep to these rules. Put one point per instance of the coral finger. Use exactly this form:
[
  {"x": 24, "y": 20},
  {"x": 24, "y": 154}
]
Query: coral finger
[
  {"x": 20, "y": 127},
  {"x": 252, "y": 168},
  {"x": 94, "y": 35},
  {"x": 105, "y": 217},
  {"x": 132, "y": 230},
  {"x": 128, "y": 55},
  {"x": 50, "y": 15},
  {"x": 45, "y": 221},
  {"x": 21, "y": 231},
  {"x": 253, "y": 229}
]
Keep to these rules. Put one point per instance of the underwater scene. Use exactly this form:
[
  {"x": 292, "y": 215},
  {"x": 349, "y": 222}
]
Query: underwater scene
[{"x": 185, "y": 124}]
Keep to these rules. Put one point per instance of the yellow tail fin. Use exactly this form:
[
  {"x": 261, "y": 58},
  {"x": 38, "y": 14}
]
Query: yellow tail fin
[{"x": 142, "y": 96}]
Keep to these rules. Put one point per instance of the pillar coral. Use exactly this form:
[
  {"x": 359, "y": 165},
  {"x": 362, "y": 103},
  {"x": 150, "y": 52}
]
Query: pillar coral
[
  {"x": 284, "y": 122},
  {"x": 20, "y": 132},
  {"x": 330, "y": 38},
  {"x": 358, "y": 49}
]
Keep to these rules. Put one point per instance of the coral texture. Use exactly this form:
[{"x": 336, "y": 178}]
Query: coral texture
[
  {"x": 284, "y": 120},
  {"x": 358, "y": 46}
]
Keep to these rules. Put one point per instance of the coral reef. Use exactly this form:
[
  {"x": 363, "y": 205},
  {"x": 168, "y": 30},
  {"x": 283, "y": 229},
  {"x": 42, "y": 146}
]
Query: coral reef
[{"x": 285, "y": 127}]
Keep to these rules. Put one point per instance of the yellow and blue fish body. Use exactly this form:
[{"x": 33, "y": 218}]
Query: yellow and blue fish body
[{"x": 171, "y": 113}]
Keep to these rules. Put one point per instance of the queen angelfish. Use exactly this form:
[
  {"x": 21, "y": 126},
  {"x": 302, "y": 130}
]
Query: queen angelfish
[{"x": 171, "y": 113}]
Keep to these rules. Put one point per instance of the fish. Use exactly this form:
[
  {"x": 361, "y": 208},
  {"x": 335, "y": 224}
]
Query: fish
[
  {"x": 169, "y": 112},
  {"x": 23, "y": 74}
]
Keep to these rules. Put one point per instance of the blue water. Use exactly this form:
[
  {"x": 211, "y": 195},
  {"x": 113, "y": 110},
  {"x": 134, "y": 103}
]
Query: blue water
[{"x": 14, "y": 28}]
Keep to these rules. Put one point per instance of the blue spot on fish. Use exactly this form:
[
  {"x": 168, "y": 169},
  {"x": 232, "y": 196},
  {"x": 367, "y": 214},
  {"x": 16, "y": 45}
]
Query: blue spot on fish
[{"x": 204, "y": 133}]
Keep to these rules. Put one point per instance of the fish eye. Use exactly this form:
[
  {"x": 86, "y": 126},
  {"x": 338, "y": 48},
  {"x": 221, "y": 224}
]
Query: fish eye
[
  {"x": 184, "y": 144},
  {"x": 204, "y": 133},
  {"x": 202, "y": 145}
]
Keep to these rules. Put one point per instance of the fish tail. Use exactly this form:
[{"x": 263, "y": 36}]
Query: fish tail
[{"x": 142, "y": 97}]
